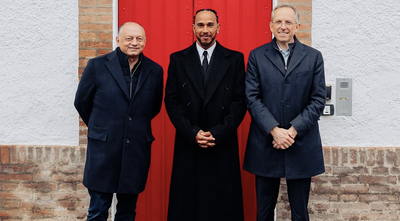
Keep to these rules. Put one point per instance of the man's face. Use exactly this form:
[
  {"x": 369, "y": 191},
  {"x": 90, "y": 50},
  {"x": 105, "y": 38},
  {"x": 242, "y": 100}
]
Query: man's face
[
  {"x": 284, "y": 25},
  {"x": 131, "y": 39},
  {"x": 205, "y": 28}
]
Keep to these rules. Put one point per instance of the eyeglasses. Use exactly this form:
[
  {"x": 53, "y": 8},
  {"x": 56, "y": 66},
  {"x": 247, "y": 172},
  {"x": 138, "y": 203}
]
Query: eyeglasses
[
  {"x": 279, "y": 23},
  {"x": 138, "y": 39}
]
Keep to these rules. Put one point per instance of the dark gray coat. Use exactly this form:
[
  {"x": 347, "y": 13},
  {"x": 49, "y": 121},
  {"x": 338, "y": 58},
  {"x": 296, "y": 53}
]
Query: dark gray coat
[
  {"x": 206, "y": 183},
  {"x": 119, "y": 129},
  {"x": 279, "y": 97}
]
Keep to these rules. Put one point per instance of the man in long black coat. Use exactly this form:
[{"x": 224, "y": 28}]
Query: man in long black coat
[
  {"x": 206, "y": 106},
  {"x": 117, "y": 97}
]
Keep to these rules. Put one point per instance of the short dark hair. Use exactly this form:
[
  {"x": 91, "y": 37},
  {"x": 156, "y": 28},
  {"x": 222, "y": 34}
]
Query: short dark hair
[{"x": 205, "y": 9}]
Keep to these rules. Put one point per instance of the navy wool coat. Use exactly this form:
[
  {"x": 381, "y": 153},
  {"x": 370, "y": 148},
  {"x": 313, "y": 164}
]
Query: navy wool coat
[
  {"x": 206, "y": 183},
  {"x": 279, "y": 97},
  {"x": 119, "y": 128}
]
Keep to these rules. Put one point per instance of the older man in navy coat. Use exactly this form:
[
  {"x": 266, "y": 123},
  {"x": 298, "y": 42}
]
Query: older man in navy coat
[
  {"x": 118, "y": 96},
  {"x": 285, "y": 91}
]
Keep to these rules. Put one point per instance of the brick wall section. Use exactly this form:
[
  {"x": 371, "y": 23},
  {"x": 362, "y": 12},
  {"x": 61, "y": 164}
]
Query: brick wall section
[
  {"x": 95, "y": 38},
  {"x": 359, "y": 184},
  {"x": 44, "y": 183},
  {"x": 304, "y": 7}
]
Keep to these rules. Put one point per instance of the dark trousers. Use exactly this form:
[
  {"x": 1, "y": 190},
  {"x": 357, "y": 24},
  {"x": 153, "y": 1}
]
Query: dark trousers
[
  {"x": 100, "y": 204},
  {"x": 267, "y": 195}
]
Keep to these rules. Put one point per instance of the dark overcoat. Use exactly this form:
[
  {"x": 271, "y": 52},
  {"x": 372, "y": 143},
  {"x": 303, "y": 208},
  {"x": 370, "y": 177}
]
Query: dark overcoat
[
  {"x": 206, "y": 183},
  {"x": 279, "y": 97},
  {"x": 119, "y": 128}
]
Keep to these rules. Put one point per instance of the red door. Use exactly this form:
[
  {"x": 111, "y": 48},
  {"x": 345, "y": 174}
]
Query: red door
[{"x": 168, "y": 25}]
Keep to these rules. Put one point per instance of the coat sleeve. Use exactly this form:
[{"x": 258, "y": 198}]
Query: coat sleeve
[
  {"x": 174, "y": 107},
  {"x": 259, "y": 112},
  {"x": 85, "y": 93},
  {"x": 311, "y": 113},
  {"x": 222, "y": 132},
  {"x": 159, "y": 93}
]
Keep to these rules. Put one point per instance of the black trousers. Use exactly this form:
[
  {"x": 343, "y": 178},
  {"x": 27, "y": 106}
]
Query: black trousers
[
  {"x": 100, "y": 204},
  {"x": 267, "y": 195}
]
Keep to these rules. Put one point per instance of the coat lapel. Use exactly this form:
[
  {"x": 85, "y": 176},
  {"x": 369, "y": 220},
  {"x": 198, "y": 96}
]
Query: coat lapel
[
  {"x": 193, "y": 69},
  {"x": 144, "y": 73},
  {"x": 275, "y": 58},
  {"x": 295, "y": 59},
  {"x": 115, "y": 70},
  {"x": 297, "y": 56},
  {"x": 218, "y": 70}
]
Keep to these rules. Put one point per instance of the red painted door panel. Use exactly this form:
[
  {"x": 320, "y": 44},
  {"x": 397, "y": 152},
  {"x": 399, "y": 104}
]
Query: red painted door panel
[{"x": 168, "y": 25}]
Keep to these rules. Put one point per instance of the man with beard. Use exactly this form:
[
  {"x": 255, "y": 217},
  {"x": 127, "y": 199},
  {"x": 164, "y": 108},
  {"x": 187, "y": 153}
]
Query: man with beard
[{"x": 205, "y": 101}]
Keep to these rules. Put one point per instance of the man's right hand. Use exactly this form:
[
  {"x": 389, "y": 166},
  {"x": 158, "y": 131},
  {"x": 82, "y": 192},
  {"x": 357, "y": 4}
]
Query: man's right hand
[
  {"x": 205, "y": 139},
  {"x": 283, "y": 138}
]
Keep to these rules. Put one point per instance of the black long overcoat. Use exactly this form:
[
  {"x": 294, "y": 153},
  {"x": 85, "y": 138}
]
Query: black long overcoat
[
  {"x": 119, "y": 128},
  {"x": 206, "y": 183}
]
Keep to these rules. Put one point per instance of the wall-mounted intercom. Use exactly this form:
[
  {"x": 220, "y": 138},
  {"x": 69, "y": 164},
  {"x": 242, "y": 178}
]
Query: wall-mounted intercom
[{"x": 344, "y": 98}]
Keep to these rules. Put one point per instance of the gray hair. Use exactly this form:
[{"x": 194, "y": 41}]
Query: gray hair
[{"x": 286, "y": 6}]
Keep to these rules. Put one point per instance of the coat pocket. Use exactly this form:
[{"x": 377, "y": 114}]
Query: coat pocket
[{"x": 97, "y": 134}]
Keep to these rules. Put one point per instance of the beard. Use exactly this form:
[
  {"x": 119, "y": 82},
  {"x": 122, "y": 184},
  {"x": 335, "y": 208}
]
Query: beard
[{"x": 205, "y": 44}]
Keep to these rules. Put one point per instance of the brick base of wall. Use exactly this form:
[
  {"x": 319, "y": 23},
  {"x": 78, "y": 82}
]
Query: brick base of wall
[
  {"x": 44, "y": 183},
  {"x": 359, "y": 184}
]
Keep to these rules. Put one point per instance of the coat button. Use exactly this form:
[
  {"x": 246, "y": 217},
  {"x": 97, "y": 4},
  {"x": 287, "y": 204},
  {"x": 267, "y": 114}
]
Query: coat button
[
  {"x": 184, "y": 84},
  {"x": 282, "y": 103},
  {"x": 222, "y": 107},
  {"x": 129, "y": 118},
  {"x": 128, "y": 141},
  {"x": 188, "y": 104},
  {"x": 226, "y": 87}
]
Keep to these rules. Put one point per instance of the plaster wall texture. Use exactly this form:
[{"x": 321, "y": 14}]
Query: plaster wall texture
[
  {"x": 38, "y": 72},
  {"x": 361, "y": 40}
]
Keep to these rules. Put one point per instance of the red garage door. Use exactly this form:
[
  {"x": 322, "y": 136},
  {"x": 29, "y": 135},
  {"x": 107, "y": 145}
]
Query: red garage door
[{"x": 168, "y": 24}]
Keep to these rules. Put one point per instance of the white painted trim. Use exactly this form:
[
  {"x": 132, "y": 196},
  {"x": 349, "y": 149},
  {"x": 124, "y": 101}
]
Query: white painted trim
[
  {"x": 115, "y": 22},
  {"x": 115, "y": 33},
  {"x": 274, "y": 3},
  {"x": 114, "y": 206}
]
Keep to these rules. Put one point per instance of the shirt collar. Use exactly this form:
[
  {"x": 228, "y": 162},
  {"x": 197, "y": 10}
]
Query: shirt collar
[
  {"x": 291, "y": 45},
  {"x": 284, "y": 53},
  {"x": 210, "y": 51}
]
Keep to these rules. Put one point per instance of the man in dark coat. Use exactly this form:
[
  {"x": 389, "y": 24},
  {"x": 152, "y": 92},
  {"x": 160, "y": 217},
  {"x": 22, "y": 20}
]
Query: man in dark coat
[
  {"x": 117, "y": 97},
  {"x": 205, "y": 101},
  {"x": 285, "y": 91}
]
